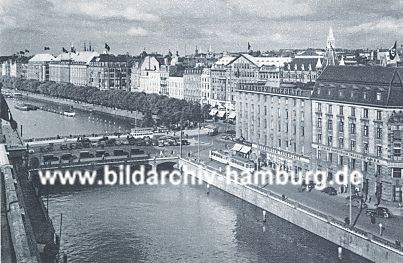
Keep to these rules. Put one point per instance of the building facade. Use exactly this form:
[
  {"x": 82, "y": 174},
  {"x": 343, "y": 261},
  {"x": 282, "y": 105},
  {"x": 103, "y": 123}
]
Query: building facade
[
  {"x": 107, "y": 71},
  {"x": 357, "y": 123},
  {"x": 192, "y": 84},
  {"x": 175, "y": 87},
  {"x": 206, "y": 86},
  {"x": 38, "y": 67},
  {"x": 277, "y": 121}
]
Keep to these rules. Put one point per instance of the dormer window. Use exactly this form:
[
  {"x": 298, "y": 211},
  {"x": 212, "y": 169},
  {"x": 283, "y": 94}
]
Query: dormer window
[
  {"x": 329, "y": 92},
  {"x": 365, "y": 95},
  {"x": 318, "y": 91},
  {"x": 341, "y": 93},
  {"x": 378, "y": 96}
]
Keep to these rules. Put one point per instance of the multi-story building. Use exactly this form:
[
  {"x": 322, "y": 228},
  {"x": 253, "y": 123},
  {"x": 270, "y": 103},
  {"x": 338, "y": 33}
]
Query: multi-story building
[
  {"x": 277, "y": 121},
  {"x": 107, "y": 71},
  {"x": 192, "y": 84},
  {"x": 14, "y": 66},
  {"x": 175, "y": 87},
  {"x": 151, "y": 75},
  {"x": 38, "y": 67},
  {"x": 205, "y": 86},
  {"x": 357, "y": 120},
  {"x": 225, "y": 77}
]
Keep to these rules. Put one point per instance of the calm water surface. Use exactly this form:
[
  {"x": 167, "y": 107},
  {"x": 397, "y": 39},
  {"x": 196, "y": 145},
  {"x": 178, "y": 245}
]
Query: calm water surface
[{"x": 165, "y": 223}]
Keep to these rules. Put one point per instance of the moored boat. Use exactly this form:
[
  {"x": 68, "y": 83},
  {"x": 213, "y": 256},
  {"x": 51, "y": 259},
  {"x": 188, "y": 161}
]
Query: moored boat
[{"x": 69, "y": 113}]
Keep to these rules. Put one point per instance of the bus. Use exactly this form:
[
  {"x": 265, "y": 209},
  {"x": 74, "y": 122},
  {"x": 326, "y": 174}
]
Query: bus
[
  {"x": 141, "y": 133},
  {"x": 240, "y": 163}
]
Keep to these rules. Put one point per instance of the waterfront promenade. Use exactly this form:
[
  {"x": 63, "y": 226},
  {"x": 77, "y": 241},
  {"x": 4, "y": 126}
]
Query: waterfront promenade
[{"x": 357, "y": 240}]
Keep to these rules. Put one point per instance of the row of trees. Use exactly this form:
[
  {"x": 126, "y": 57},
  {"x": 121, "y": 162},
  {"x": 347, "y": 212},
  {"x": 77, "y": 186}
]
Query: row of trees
[{"x": 168, "y": 110}]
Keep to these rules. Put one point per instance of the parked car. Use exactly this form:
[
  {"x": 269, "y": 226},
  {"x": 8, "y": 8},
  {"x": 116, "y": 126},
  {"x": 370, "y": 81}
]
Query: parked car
[
  {"x": 63, "y": 147},
  {"x": 185, "y": 142},
  {"x": 330, "y": 190},
  {"x": 379, "y": 212}
]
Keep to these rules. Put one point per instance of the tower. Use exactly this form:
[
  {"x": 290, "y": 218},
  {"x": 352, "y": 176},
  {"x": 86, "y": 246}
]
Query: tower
[{"x": 330, "y": 54}]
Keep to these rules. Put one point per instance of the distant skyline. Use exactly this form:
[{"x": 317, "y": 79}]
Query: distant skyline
[{"x": 225, "y": 25}]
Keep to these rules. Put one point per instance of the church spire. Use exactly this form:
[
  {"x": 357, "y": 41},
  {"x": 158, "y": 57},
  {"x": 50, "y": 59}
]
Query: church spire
[
  {"x": 330, "y": 55},
  {"x": 330, "y": 39}
]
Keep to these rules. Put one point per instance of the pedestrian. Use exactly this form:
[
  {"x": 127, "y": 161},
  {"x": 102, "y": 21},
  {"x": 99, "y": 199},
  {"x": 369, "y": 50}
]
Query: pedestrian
[
  {"x": 347, "y": 221},
  {"x": 381, "y": 228},
  {"x": 372, "y": 219},
  {"x": 370, "y": 198}
]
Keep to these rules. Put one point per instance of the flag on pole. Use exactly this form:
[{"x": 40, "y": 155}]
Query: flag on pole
[
  {"x": 65, "y": 50},
  {"x": 249, "y": 46},
  {"x": 107, "y": 47},
  {"x": 26, "y": 51},
  {"x": 46, "y": 48},
  {"x": 393, "y": 51}
]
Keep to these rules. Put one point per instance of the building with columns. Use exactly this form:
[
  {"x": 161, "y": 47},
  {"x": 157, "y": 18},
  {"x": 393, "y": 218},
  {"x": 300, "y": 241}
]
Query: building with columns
[
  {"x": 276, "y": 119},
  {"x": 357, "y": 122}
]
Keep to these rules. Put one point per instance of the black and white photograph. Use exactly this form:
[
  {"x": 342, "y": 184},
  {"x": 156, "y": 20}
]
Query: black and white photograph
[{"x": 214, "y": 131}]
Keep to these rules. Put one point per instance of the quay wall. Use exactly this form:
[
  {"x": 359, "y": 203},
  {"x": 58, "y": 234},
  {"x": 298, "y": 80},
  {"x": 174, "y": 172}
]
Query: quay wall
[
  {"x": 361, "y": 243},
  {"x": 21, "y": 234}
]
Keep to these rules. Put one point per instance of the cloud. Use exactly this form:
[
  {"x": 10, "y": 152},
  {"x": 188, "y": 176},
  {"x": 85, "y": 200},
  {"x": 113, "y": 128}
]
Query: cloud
[
  {"x": 273, "y": 8},
  {"x": 384, "y": 25},
  {"x": 103, "y": 9},
  {"x": 137, "y": 31}
]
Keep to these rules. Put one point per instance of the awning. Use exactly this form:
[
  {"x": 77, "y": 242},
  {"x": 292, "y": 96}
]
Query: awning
[
  {"x": 237, "y": 147},
  {"x": 245, "y": 149},
  {"x": 232, "y": 115},
  {"x": 213, "y": 112},
  {"x": 221, "y": 113}
]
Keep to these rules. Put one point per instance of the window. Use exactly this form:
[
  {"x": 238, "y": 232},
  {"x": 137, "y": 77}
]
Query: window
[
  {"x": 329, "y": 108},
  {"x": 329, "y": 124},
  {"x": 352, "y": 128},
  {"x": 365, "y": 95},
  {"x": 378, "y": 151},
  {"x": 341, "y": 110},
  {"x": 352, "y": 145},
  {"x": 397, "y": 149},
  {"x": 397, "y": 173},
  {"x": 366, "y": 130},
  {"x": 352, "y": 163},
  {"x": 365, "y": 166},
  {"x": 329, "y": 140},
  {"x": 379, "y": 115},
  {"x": 319, "y": 107},
  {"x": 330, "y": 157},
  {"x": 379, "y": 133},
  {"x": 366, "y": 113},
  {"x": 279, "y": 142},
  {"x": 341, "y": 160},
  {"x": 319, "y": 154},
  {"x": 341, "y": 126},
  {"x": 341, "y": 143},
  {"x": 366, "y": 147},
  {"x": 352, "y": 112},
  {"x": 319, "y": 138},
  {"x": 378, "y": 170},
  {"x": 319, "y": 123},
  {"x": 302, "y": 131}
]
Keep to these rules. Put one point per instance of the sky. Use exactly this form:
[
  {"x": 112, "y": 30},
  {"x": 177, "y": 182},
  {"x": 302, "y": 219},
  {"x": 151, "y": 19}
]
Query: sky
[{"x": 224, "y": 25}]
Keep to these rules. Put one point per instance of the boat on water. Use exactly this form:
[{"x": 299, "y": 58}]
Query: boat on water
[
  {"x": 25, "y": 107},
  {"x": 17, "y": 94},
  {"x": 69, "y": 113}
]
